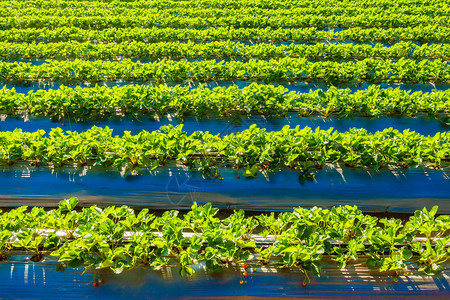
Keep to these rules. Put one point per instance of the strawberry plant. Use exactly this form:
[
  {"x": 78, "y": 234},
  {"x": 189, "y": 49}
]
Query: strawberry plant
[
  {"x": 142, "y": 48},
  {"x": 119, "y": 239},
  {"x": 5, "y": 238},
  {"x": 255, "y": 149},
  {"x": 367, "y": 70}
]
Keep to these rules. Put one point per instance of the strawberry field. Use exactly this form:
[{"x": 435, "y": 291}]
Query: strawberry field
[{"x": 262, "y": 148}]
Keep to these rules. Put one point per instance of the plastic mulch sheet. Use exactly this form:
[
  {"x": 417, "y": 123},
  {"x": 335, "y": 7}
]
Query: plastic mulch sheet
[
  {"x": 421, "y": 124},
  {"x": 20, "y": 279},
  {"x": 172, "y": 187}
]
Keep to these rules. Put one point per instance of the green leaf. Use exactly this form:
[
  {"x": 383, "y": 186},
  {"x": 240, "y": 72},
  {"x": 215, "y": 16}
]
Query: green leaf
[
  {"x": 119, "y": 268},
  {"x": 60, "y": 267},
  {"x": 316, "y": 268},
  {"x": 75, "y": 263},
  {"x": 406, "y": 253},
  {"x": 186, "y": 270},
  {"x": 68, "y": 204},
  {"x": 251, "y": 171},
  {"x": 371, "y": 263}
]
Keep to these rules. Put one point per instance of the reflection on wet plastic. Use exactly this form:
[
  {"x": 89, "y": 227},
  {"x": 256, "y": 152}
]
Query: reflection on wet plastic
[
  {"x": 421, "y": 124},
  {"x": 20, "y": 280},
  {"x": 172, "y": 187}
]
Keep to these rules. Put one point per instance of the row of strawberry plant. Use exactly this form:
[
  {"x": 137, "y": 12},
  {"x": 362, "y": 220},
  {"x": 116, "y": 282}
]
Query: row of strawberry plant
[
  {"x": 161, "y": 4},
  {"x": 431, "y": 11},
  {"x": 118, "y": 238},
  {"x": 284, "y": 69},
  {"x": 223, "y": 49},
  {"x": 237, "y": 21},
  {"x": 253, "y": 149},
  {"x": 423, "y": 34},
  {"x": 225, "y": 102}
]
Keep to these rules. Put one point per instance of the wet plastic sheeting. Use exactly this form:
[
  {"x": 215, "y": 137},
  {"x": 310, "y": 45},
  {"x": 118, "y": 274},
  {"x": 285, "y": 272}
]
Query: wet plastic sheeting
[
  {"x": 403, "y": 190},
  {"x": 297, "y": 86},
  {"x": 305, "y": 87},
  {"x": 421, "y": 124},
  {"x": 40, "y": 281}
]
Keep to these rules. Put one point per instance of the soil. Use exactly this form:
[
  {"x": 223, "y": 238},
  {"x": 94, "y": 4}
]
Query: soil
[{"x": 37, "y": 257}]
